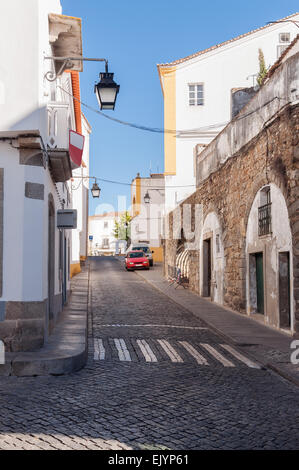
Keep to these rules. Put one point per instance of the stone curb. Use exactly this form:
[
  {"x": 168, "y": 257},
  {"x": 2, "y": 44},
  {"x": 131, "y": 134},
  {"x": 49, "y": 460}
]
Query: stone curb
[{"x": 67, "y": 348}]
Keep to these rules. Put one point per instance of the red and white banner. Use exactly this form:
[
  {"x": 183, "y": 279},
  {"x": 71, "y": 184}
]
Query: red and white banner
[{"x": 76, "y": 148}]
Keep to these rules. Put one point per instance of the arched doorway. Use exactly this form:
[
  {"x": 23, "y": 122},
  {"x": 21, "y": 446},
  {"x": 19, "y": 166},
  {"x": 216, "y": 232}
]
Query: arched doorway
[
  {"x": 269, "y": 283},
  {"x": 211, "y": 259}
]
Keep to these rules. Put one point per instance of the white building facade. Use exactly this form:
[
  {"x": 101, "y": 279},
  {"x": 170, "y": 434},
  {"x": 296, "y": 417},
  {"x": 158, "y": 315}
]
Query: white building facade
[
  {"x": 101, "y": 235},
  {"x": 147, "y": 211},
  {"x": 36, "y": 116},
  {"x": 80, "y": 191},
  {"x": 198, "y": 97}
]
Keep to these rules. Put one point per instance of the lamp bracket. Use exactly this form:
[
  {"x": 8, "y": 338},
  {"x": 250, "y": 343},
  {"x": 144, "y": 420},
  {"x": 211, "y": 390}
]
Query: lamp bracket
[{"x": 67, "y": 63}]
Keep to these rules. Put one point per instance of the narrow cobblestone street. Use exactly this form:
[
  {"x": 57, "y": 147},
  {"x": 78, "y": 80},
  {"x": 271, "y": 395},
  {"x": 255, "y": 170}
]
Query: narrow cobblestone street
[{"x": 156, "y": 378}]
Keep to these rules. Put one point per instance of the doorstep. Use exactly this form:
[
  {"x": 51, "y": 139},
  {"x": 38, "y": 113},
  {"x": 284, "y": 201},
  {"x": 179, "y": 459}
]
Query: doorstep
[{"x": 66, "y": 349}]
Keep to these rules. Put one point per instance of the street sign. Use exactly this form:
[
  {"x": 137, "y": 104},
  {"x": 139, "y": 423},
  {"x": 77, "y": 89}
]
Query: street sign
[
  {"x": 67, "y": 219},
  {"x": 76, "y": 148},
  {"x": 91, "y": 237}
]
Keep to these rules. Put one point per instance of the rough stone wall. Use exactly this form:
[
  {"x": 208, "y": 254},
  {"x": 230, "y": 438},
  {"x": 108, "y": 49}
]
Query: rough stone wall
[{"x": 273, "y": 156}]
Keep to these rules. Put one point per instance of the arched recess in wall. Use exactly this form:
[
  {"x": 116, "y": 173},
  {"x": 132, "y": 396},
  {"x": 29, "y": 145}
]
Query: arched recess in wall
[
  {"x": 211, "y": 263},
  {"x": 269, "y": 259}
]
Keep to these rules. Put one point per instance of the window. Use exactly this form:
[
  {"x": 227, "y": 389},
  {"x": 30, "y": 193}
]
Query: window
[
  {"x": 196, "y": 95},
  {"x": 105, "y": 243},
  {"x": 105, "y": 224},
  {"x": 136, "y": 255},
  {"x": 284, "y": 37},
  {"x": 264, "y": 212},
  {"x": 265, "y": 196}
]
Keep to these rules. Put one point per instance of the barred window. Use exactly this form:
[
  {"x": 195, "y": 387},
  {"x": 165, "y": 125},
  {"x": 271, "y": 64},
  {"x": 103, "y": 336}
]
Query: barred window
[{"x": 265, "y": 212}]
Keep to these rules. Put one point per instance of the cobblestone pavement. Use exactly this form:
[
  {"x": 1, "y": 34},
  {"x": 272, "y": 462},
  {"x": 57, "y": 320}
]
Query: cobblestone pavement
[{"x": 197, "y": 394}]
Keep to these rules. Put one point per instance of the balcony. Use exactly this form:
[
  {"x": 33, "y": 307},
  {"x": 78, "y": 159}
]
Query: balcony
[
  {"x": 59, "y": 121},
  {"x": 265, "y": 220}
]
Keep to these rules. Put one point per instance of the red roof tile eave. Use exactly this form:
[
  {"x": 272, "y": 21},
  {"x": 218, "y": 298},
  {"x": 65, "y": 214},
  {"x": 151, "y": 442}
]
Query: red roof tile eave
[
  {"x": 197, "y": 54},
  {"x": 77, "y": 105}
]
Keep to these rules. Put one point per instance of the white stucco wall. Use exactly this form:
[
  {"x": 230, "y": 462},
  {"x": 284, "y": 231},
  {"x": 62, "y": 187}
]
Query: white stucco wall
[
  {"x": 148, "y": 224},
  {"x": 24, "y": 27},
  {"x": 25, "y": 94},
  {"x": 99, "y": 232},
  {"x": 25, "y": 233}
]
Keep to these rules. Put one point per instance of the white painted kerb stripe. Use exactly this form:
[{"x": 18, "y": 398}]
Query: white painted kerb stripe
[
  {"x": 122, "y": 350},
  {"x": 99, "y": 350},
  {"x": 146, "y": 351},
  {"x": 191, "y": 350},
  {"x": 170, "y": 351},
  {"x": 217, "y": 355},
  {"x": 153, "y": 326},
  {"x": 240, "y": 356}
]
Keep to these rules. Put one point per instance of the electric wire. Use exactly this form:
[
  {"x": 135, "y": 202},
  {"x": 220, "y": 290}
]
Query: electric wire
[{"x": 168, "y": 131}]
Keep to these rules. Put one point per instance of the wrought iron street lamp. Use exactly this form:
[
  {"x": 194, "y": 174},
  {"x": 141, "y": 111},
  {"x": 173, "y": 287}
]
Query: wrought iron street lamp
[
  {"x": 147, "y": 198},
  {"x": 106, "y": 90},
  {"x": 95, "y": 191}
]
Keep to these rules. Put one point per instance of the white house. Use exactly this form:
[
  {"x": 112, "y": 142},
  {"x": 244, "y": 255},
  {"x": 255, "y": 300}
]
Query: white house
[
  {"x": 101, "y": 234},
  {"x": 80, "y": 189},
  {"x": 36, "y": 114},
  {"x": 198, "y": 97},
  {"x": 147, "y": 210}
]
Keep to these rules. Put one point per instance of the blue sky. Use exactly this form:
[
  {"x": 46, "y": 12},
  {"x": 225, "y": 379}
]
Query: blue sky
[{"x": 135, "y": 35}]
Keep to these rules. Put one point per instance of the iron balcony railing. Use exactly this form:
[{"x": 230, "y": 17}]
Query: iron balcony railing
[{"x": 265, "y": 220}]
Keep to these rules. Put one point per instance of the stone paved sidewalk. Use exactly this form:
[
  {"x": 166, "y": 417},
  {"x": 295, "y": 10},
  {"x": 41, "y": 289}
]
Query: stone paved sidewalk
[{"x": 270, "y": 347}]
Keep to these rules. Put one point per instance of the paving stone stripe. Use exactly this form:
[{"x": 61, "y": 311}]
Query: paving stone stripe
[
  {"x": 191, "y": 350},
  {"x": 217, "y": 355},
  {"x": 170, "y": 351},
  {"x": 146, "y": 351},
  {"x": 99, "y": 350},
  {"x": 123, "y": 352},
  {"x": 240, "y": 356}
]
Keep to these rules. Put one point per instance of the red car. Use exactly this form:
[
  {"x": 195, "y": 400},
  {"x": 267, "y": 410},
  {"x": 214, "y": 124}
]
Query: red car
[{"x": 136, "y": 260}]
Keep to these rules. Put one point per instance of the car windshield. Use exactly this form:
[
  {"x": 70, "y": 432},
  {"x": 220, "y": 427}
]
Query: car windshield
[
  {"x": 145, "y": 249},
  {"x": 135, "y": 255}
]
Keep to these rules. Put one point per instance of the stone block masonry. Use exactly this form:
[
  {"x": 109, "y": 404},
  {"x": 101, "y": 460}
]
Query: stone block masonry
[{"x": 271, "y": 157}]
